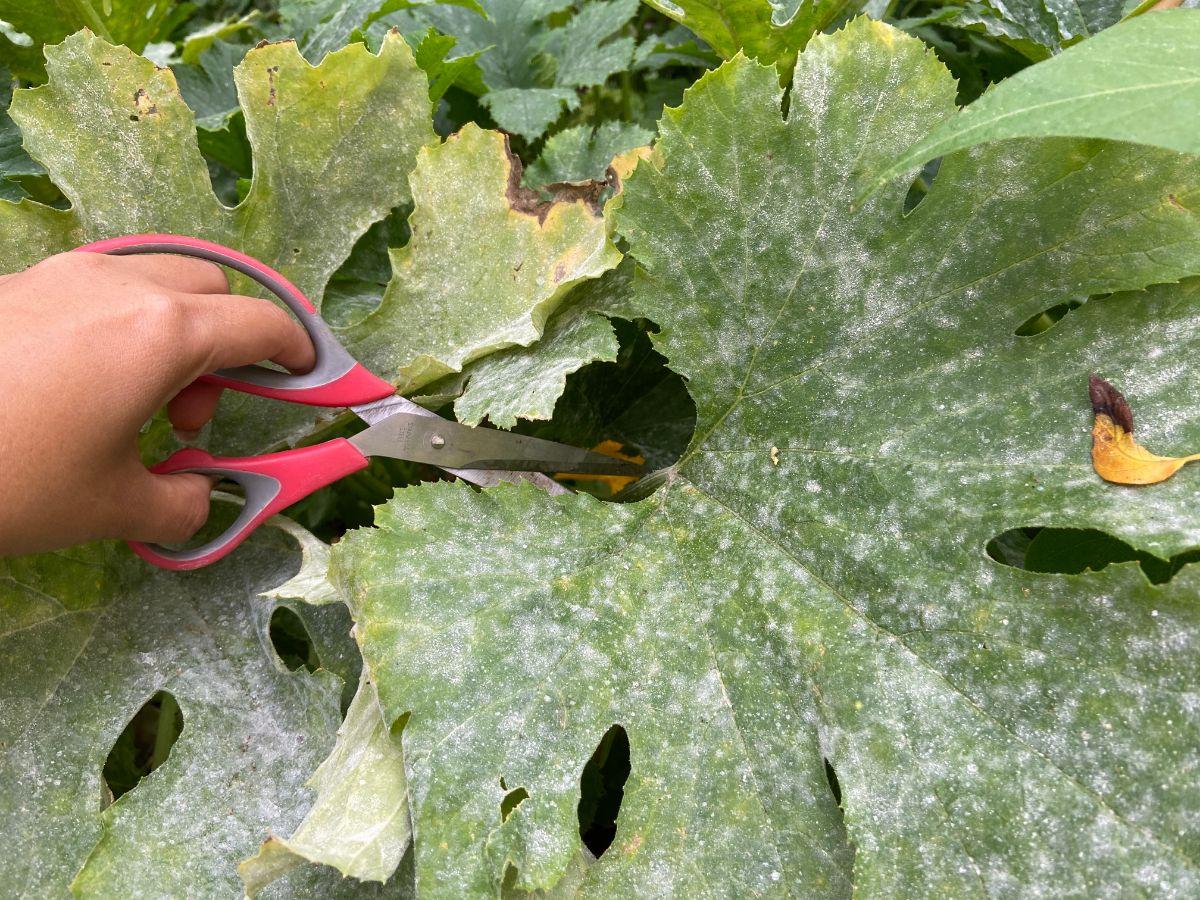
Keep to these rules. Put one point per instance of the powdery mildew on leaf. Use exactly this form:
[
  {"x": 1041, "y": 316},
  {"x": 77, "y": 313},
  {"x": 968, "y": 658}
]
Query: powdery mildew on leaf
[
  {"x": 87, "y": 636},
  {"x": 810, "y": 583},
  {"x": 1038, "y": 27},
  {"x": 525, "y": 383},
  {"x": 758, "y": 28},
  {"x": 359, "y": 823},
  {"x": 485, "y": 266}
]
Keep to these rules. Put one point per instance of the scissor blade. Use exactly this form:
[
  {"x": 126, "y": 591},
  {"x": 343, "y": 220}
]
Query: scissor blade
[{"x": 432, "y": 439}]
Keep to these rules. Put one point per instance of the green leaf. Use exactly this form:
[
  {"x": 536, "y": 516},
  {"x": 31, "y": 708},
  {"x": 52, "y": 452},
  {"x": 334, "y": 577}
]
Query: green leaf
[
  {"x": 208, "y": 86},
  {"x": 525, "y": 383},
  {"x": 1138, "y": 81},
  {"x": 1035, "y": 26},
  {"x": 359, "y": 823},
  {"x": 532, "y": 70},
  {"x": 810, "y": 582},
  {"x": 676, "y": 47},
  {"x": 484, "y": 269},
  {"x": 432, "y": 50},
  {"x": 582, "y": 153},
  {"x": 209, "y": 90},
  {"x": 88, "y": 635},
  {"x": 197, "y": 42},
  {"x": 117, "y": 138},
  {"x": 338, "y": 22},
  {"x": 757, "y": 28},
  {"x": 134, "y": 23},
  {"x": 13, "y": 158}
]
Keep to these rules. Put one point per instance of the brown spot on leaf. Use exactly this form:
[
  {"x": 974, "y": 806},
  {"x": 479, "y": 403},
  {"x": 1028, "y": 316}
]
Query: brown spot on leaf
[
  {"x": 560, "y": 272},
  {"x": 528, "y": 201},
  {"x": 1174, "y": 201},
  {"x": 630, "y": 847},
  {"x": 271, "y": 73},
  {"x": 1107, "y": 400},
  {"x": 143, "y": 105}
]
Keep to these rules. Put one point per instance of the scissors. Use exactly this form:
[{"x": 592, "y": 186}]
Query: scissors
[{"x": 398, "y": 427}]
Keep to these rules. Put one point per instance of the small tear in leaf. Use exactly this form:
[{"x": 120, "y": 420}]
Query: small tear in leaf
[
  {"x": 291, "y": 640},
  {"x": 834, "y": 785},
  {"x": 511, "y": 801},
  {"x": 1116, "y": 456},
  {"x": 1041, "y": 322},
  {"x": 144, "y": 745}
]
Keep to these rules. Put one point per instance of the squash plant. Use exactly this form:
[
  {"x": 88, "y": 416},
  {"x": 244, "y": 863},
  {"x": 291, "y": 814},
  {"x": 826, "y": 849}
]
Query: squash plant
[{"x": 875, "y": 626}]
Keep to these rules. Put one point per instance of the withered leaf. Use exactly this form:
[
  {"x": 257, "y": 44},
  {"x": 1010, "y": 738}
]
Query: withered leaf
[{"x": 1116, "y": 456}]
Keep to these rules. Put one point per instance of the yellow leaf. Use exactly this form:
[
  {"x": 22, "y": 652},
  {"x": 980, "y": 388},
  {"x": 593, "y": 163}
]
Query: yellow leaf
[{"x": 1116, "y": 456}]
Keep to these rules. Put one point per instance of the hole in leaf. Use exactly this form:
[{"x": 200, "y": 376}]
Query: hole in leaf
[
  {"x": 292, "y": 641},
  {"x": 921, "y": 185},
  {"x": 834, "y": 785},
  {"x": 1069, "y": 551},
  {"x": 635, "y": 403},
  {"x": 602, "y": 789},
  {"x": 144, "y": 745},
  {"x": 511, "y": 800},
  {"x": 1042, "y": 322}
]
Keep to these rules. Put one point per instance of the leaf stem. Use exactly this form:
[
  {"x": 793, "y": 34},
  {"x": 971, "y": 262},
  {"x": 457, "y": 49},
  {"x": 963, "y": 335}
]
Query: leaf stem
[{"x": 86, "y": 13}]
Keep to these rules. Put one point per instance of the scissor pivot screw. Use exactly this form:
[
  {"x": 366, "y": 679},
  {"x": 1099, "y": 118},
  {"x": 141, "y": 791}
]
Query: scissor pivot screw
[{"x": 437, "y": 441}]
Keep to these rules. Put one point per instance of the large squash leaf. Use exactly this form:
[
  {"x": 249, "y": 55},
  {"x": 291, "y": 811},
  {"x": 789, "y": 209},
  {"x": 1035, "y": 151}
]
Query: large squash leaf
[
  {"x": 827, "y": 685},
  {"x": 86, "y": 637}
]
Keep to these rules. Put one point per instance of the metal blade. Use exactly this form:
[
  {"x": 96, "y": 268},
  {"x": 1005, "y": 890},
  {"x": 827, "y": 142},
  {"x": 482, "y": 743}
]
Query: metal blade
[
  {"x": 440, "y": 442},
  {"x": 375, "y": 412}
]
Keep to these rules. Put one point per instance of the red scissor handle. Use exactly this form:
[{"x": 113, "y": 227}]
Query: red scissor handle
[
  {"x": 271, "y": 482},
  {"x": 276, "y": 480},
  {"x": 337, "y": 378}
]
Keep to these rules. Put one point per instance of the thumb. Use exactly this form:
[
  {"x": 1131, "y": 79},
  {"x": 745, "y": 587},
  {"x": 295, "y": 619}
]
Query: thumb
[{"x": 167, "y": 508}]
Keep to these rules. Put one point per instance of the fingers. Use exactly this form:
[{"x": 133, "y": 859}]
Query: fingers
[
  {"x": 191, "y": 408},
  {"x": 166, "y": 508},
  {"x": 237, "y": 331},
  {"x": 185, "y": 274}
]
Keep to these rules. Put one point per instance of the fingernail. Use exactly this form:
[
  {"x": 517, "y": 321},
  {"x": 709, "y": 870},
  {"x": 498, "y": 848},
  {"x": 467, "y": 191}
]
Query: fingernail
[{"x": 186, "y": 437}]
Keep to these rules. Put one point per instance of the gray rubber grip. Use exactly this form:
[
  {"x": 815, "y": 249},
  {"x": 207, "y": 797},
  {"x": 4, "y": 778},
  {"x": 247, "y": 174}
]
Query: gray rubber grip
[
  {"x": 260, "y": 491},
  {"x": 332, "y": 359}
]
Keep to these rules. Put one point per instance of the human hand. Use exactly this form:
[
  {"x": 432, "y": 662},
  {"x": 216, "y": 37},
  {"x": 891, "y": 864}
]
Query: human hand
[{"x": 90, "y": 347}]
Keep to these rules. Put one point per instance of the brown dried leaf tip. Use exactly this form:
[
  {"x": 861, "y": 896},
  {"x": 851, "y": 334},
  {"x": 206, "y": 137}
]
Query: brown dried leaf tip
[{"x": 1116, "y": 456}]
